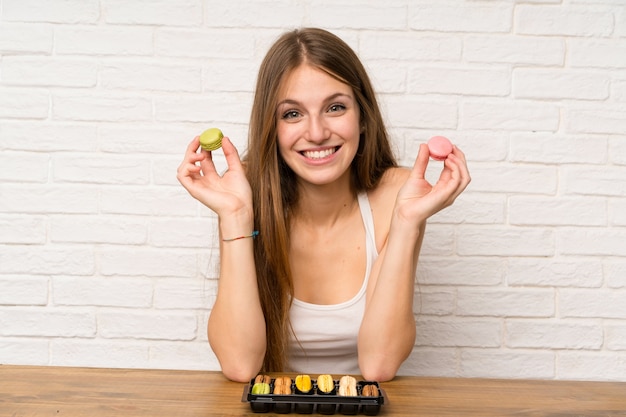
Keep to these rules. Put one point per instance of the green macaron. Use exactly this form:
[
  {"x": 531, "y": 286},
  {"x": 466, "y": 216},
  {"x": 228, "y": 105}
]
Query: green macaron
[
  {"x": 260, "y": 388},
  {"x": 211, "y": 139}
]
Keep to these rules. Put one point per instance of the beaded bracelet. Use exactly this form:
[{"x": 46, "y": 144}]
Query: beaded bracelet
[{"x": 252, "y": 235}]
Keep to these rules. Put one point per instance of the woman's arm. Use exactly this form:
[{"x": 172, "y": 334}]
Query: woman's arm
[
  {"x": 236, "y": 325},
  {"x": 387, "y": 334}
]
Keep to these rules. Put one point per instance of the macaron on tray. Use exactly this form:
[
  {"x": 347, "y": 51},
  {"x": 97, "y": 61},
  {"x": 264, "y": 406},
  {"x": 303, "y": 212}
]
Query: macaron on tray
[{"x": 303, "y": 395}]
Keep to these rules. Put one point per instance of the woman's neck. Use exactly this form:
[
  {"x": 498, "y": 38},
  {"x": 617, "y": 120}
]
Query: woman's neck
[{"x": 324, "y": 206}]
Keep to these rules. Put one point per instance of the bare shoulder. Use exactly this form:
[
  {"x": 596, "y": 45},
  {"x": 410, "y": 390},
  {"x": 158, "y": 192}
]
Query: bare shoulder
[
  {"x": 389, "y": 184},
  {"x": 396, "y": 176},
  {"x": 382, "y": 200}
]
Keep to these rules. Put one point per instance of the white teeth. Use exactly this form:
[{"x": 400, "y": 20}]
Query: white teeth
[{"x": 319, "y": 154}]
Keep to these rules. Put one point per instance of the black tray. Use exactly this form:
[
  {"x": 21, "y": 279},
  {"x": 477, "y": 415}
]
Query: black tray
[{"x": 314, "y": 401}]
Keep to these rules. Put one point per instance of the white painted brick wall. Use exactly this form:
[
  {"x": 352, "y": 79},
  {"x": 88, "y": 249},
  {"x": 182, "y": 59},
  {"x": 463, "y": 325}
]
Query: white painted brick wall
[{"x": 106, "y": 261}]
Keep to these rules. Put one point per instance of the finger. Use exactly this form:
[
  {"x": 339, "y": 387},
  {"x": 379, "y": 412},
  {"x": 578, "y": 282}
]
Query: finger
[
  {"x": 190, "y": 157},
  {"x": 465, "y": 175},
  {"x": 232, "y": 160},
  {"x": 457, "y": 179},
  {"x": 191, "y": 154},
  {"x": 209, "y": 171},
  {"x": 458, "y": 152},
  {"x": 231, "y": 154},
  {"x": 421, "y": 163},
  {"x": 457, "y": 159},
  {"x": 189, "y": 171},
  {"x": 193, "y": 145}
]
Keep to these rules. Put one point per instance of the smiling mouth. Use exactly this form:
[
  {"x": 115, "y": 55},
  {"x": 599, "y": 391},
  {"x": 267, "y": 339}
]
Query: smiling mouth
[{"x": 325, "y": 153}]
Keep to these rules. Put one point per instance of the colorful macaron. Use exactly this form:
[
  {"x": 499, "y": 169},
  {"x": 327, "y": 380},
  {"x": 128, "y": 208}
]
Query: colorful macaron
[
  {"x": 261, "y": 385},
  {"x": 325, "y": 384},
  {"x": 303, "y": 384},
  {"x": 282, "y": 385},
  {"x": 347, "y": 386},
  {"x": 211, "y": 139},
  {"x": 439, "y": 147}
]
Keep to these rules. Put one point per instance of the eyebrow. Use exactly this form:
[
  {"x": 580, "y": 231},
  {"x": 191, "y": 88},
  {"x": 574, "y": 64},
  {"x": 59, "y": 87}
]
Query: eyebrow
[{"x": 329, "y": 98}]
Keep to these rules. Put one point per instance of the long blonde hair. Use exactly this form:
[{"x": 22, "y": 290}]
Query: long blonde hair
[{"x": 274, "y": 183}]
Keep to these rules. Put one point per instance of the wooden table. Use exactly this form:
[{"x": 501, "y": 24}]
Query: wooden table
[{"x": 62, "y": 392}]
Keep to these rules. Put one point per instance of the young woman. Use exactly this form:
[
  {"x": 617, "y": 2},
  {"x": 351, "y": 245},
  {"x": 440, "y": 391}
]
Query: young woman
[{"x": 327, "y": 285}]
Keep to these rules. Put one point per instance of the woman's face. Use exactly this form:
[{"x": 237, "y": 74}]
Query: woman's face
[{"x": 317, "y": 125}]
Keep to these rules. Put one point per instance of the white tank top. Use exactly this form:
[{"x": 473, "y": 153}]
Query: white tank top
[{"x": 327, "y": 334}]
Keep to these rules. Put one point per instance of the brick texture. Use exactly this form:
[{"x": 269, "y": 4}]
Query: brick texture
[{"x": 105, "y": 260}]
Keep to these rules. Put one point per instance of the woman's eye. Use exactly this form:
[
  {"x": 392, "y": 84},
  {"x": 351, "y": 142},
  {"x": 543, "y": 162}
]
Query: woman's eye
[
  {"x": 336, "y": 107},
  {"x": 291, "y": 114}
]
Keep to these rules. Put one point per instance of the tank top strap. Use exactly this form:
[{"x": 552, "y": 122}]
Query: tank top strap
[{"x": 368, "y": 221}]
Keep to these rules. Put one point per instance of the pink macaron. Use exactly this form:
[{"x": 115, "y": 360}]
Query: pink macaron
[{"x": 440, "y": 147}]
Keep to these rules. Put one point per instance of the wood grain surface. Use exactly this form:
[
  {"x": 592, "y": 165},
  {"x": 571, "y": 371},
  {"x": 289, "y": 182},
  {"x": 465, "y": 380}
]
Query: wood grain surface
[{"x": 96, "y": 392}]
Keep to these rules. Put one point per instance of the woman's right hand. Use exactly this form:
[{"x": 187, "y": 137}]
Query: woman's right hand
[
  {"x": 226, "y": 194},
  {"x": 236, "y": 326}
]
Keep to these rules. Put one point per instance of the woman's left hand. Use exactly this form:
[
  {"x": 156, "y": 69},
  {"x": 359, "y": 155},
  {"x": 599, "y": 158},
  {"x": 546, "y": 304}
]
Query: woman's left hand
[{"x": 418, "y": 199}]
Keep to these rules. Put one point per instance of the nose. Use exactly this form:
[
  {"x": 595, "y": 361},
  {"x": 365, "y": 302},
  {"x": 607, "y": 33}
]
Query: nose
[{"x": 317, "y": 130}]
